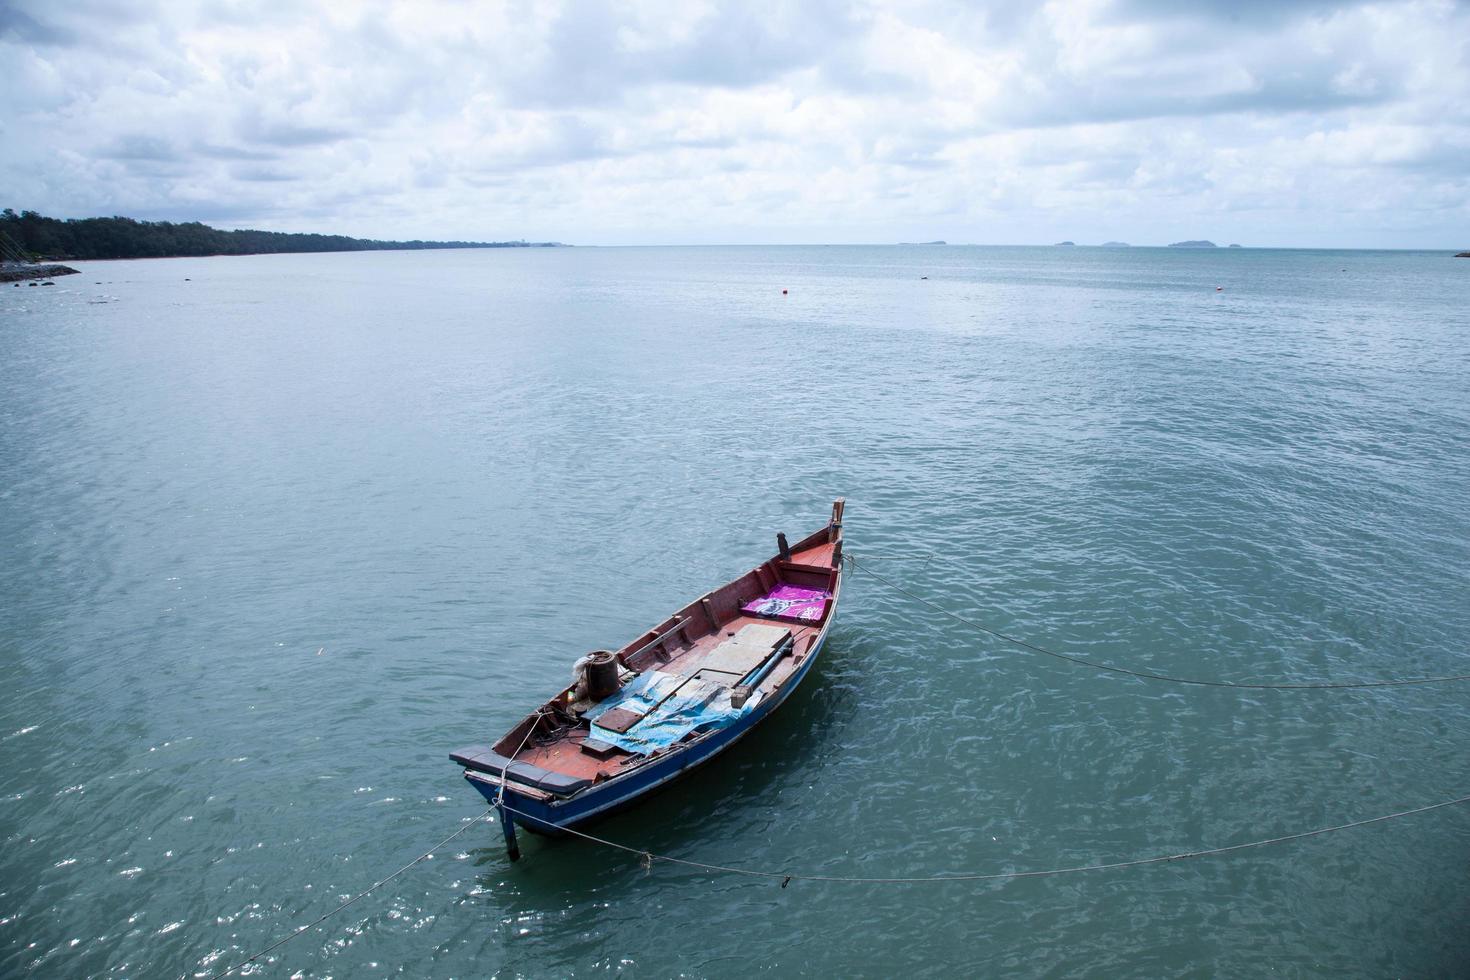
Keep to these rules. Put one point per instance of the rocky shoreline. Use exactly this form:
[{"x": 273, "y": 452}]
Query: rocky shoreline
[{"x": 20, "y": 273}]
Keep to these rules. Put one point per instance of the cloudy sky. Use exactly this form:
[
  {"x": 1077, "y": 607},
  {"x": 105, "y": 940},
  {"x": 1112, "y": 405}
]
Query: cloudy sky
[{"x": 1266, "y": 122}]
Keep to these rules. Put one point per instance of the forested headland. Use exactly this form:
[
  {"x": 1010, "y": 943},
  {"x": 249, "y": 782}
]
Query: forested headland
[{"x": 125, "y": 238}]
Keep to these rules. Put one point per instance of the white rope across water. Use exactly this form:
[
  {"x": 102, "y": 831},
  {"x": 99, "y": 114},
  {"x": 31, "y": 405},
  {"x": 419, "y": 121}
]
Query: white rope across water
[
  {"x": 351, "y": 901},
  {"x": 648, "y": 858},
  {"x": 786, "y": 877},
  {"x": 499, "y": 798}
]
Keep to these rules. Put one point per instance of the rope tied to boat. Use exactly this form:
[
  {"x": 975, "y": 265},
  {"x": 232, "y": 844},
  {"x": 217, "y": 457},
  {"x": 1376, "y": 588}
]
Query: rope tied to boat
[
  {"x": 505, "y": 773},
  {"x": 646, "y": 858},
  {"x": 1145, "y": 674},
  {"x": 354, "y": 899}
]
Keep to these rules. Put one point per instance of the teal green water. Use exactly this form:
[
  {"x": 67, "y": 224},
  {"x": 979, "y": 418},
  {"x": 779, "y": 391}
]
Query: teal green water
[{"x": 277, "y": 533}]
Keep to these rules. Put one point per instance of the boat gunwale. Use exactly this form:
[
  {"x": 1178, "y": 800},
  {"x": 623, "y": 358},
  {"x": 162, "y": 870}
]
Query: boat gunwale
[
  {"x": 550, "y": 823},
  {"x": 551, "y": 808}
]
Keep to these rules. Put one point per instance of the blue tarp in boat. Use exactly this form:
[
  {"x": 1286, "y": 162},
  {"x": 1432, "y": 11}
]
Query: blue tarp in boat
[{"x": 699, "y": 705}]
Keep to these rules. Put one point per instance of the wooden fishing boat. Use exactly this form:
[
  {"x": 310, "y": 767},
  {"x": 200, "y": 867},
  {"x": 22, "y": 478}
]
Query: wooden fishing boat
[{"x": 677, "y": 696}]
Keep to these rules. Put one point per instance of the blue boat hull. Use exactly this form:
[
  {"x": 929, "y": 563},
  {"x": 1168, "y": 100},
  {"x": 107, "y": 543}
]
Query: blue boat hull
[{"x": 599, "y": 800}]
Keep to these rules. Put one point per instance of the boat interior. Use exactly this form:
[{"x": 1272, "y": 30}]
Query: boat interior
[{"x": 699, "y": 669}]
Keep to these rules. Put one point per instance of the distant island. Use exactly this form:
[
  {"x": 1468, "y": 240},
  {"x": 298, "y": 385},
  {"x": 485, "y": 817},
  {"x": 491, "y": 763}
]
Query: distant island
[
  {"x": 1116, "y": 245},
  {"x": 1462, "y": 255},
  {"x": 1232, "y": 245},
  {"x": 1065, "y": 245},
  {"x": 125, "y": 238},
  {"x": 940, "y": 242},
  {"x": 1195, "y": 243}
]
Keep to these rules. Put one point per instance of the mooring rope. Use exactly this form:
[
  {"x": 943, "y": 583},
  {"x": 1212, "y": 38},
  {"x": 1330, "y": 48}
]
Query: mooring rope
[
  {"x": 1144, "y": 674},
  {"x": 648, "y": 858},
  {"x": 505, "y": 772},
  {"x": 360, "y": 895},
  {"x": 499, "y": 801}
]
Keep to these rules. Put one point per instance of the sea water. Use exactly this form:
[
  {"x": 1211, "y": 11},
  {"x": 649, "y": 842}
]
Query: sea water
[{"x": 277, "y": 533}]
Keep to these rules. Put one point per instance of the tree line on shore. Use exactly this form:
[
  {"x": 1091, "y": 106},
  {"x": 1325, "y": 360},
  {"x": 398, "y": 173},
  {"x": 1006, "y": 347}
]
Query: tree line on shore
[{"x": 125, "y": 238}]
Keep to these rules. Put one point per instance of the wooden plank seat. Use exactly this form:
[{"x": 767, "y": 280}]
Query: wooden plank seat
[
  {"x": 746, "y": 650},
  {"x": 482, "y": 758},
  {"x": 822, "y": 556}
]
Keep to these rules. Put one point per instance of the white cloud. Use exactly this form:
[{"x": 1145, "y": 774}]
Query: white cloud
[{"x": 1314, "y": 123}]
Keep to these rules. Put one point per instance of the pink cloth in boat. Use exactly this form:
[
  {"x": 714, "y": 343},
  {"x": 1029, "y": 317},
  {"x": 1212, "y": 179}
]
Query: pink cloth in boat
[{"x": 790, "y": 602}]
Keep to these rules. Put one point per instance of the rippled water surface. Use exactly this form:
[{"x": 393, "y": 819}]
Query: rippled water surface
[{"x": 277, "y": 533}]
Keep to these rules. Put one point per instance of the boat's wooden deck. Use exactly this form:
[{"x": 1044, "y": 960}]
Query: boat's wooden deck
[
  {"x": 681, "y": 644},
  {"x": 818, "y": 555},
  {"x": 565, "y": 755}
]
